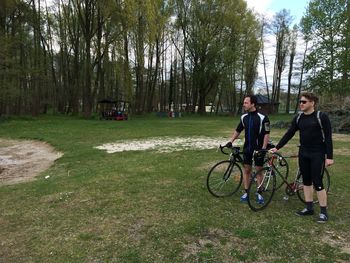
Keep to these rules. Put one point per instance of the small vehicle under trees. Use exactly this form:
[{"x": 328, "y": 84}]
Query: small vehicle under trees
[{"x": 114, "y": 110}]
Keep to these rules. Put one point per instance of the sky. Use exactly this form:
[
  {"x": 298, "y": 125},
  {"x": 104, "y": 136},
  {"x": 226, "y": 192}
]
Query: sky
[{"x": 268, "y": 8}]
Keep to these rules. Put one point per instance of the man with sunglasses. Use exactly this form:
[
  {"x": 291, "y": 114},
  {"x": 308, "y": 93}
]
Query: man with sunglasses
[{"x": 315, "y": 152}]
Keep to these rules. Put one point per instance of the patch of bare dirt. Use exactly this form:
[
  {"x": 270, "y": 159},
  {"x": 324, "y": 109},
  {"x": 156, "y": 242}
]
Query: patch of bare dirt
[
  {"x": 342, "y": 151},
  {"x": 336, "y": 240},
  {"x": 21, "y": 161},
  {"x": 214, "y": 239},
  {"x": 341, "y": 137}
]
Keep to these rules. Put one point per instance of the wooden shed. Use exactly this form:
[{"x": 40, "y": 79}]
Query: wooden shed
[{"x": 265, "y": 105}]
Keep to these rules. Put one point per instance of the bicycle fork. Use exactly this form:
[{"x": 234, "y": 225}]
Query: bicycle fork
[{"x": 266, "y": 180}]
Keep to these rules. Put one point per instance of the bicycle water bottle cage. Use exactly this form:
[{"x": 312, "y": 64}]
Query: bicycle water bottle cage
[
  {"x": 235, "y": 151},
  {"x": 238, "y": 158}
]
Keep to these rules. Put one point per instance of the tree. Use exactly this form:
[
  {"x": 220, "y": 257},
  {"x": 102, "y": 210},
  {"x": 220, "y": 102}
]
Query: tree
[
  {"x": 67, "y": 55},
  {"x": 87, "y": 20},
  {"x": 326, "y": 22},
  {"x": 280, "y": 28},
  {"x": 214, "y": 35},
  {"x": 251, "y": 54},
  {"x": 263, "y": 25},
  {"x": 292, "y": 52}
]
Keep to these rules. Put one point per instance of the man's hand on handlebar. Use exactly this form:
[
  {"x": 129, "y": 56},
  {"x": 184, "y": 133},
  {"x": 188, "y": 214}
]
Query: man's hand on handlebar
[
  {"x": 228, "y": 145},
  {"x": 273, "y": 150}
]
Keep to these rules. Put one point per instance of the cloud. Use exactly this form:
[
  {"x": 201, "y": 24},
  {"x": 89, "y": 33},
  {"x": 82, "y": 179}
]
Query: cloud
[{"x": 259, "y": 6}]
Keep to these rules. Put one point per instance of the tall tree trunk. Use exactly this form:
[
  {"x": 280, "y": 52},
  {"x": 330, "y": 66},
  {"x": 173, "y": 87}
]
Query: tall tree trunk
[
  {"x": 291, "y": 60},
  {"x": 293, "y": 44},
  {"x": 154, "y": 78},
  {"x": 87, "y": 22},
  {"x": 51, "y": 57},
  {"x": 36, "y": 82},
  {"x": 241, "y": 93},
  {"x": 140, "y": 64},
  {"x": 126, "y": 68},
  {"x": 301, "y": 79}
]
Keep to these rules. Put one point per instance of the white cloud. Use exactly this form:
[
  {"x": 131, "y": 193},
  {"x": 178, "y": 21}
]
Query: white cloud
[{"x": 259, "y": 6}]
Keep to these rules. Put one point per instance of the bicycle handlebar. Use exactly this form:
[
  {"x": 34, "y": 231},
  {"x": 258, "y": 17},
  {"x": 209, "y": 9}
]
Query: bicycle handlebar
[
  {"x": 256, "y": 152},
  {"x": 234, "y": 149},
  {"x": 269, "y": 154}
]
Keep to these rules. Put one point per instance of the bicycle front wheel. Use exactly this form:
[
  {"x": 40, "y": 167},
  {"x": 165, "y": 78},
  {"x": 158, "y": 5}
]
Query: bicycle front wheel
[
  {"x": 280, "y": 166},
  {"x": 224, "y": 179},
  {"x": 261, "y": 189},
  {"x": 326, "y": 180}
]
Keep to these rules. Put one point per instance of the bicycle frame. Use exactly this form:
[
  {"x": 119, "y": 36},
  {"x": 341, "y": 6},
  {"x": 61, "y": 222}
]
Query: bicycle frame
[{"x": 293, "y": 187}]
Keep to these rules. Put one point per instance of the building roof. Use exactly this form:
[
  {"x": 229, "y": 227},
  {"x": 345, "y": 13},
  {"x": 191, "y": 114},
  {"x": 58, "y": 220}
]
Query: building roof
[{"x": 262, "y": 99}]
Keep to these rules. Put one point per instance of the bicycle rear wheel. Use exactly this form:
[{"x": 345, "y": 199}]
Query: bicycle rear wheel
[
  {"x": 326, "y": 184},
  {"x": 266, "y": 189},
  {"x": 224, "y": 179}
]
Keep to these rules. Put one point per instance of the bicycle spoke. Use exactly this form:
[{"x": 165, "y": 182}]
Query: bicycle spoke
[
  {"x": 261, "y": 189},
  {"x": 224, "y": 179}
]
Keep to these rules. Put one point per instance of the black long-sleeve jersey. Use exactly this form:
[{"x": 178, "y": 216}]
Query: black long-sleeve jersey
[
  {"x": 311, "y": 137},
  {"x": 256, "y": 125}
]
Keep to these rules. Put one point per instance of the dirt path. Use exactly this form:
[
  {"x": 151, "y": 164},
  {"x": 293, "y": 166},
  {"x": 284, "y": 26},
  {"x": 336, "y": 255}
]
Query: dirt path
[{"x": 21, "y": 161}]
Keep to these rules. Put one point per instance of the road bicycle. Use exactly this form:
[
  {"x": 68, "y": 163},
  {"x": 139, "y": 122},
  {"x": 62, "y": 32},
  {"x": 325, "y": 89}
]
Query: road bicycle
[
  {"x": 264, "y": 182},
  {"x": 225, "y": 177}
]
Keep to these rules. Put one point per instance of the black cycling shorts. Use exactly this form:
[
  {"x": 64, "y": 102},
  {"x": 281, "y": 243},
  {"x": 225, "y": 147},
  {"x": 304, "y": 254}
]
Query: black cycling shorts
[
  {"x": 258, "y": 159},
  {"x": 312, "y": 167}
]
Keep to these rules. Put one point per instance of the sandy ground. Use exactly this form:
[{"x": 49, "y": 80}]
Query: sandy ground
[
  {"x": 21, "y": 161},
  {"x": 166, "y": 144}
]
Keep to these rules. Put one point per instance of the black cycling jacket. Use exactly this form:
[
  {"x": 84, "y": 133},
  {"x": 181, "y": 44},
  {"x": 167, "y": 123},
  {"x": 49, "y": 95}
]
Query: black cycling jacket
[
  {"x": 256, "y": 125},
  {"x": 311, "y": 138}
]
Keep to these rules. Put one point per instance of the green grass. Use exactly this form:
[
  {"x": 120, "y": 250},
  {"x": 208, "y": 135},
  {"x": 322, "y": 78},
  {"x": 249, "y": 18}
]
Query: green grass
[{"x": 146, "y": 206}]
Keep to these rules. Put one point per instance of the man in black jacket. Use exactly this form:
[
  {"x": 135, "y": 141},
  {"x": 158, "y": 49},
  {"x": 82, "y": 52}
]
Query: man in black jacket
[
  {"x": 257, "y": 130},
  {"x": 315, "y": 152}
]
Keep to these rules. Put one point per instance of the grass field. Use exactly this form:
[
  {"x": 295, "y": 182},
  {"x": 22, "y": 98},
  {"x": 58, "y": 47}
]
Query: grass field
[{"x": 147, "y": 206}]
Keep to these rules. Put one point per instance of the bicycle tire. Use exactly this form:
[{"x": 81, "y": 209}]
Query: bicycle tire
[
  {"x": 267, "y": 189},
  {"x": 282, "y": 169},
  {"x": 224, "y": 179},
  {"x": 326, "y": 180}
]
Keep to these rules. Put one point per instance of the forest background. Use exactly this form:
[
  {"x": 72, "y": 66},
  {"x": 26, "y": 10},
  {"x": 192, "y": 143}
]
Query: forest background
[{"x": 158, "y": 54}]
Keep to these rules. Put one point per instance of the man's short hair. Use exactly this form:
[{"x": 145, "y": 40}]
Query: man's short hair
[
  {"x": 253, "y": 99},
  {"x": 310, "y": 96}
]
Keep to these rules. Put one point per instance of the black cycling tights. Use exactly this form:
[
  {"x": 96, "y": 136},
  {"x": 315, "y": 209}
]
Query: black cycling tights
[{"x": 312, "y": 167}]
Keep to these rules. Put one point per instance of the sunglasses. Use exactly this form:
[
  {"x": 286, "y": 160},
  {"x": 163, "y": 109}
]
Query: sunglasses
[{"x": 303, "y": 101}]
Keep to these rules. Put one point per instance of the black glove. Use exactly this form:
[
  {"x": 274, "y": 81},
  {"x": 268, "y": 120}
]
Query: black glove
[{"x": 228, "y": 145}]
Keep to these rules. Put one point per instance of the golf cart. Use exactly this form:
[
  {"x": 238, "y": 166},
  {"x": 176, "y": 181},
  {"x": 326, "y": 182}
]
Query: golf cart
[{"x": 113, "y": 110}]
